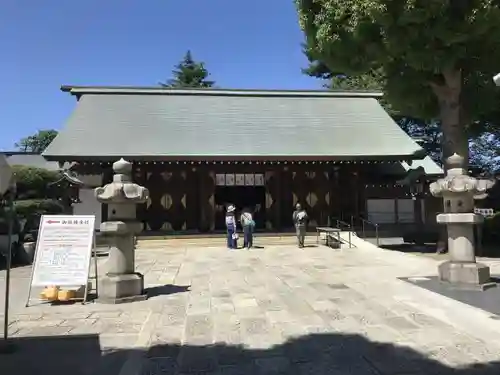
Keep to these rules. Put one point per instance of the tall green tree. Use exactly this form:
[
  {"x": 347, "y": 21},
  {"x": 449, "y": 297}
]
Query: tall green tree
[
  {"x": 428, "y": 133},
  {"x": 483, "y": 135},
  {"x": 189, "y": 73},
  {"x": 37, "y": 142},
  {"x": 438, "y": 56}
]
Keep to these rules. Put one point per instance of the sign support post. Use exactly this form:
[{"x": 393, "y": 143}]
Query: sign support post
[
  {"x": 7, "y": 346},
  {"x": 86, "y": 293}
]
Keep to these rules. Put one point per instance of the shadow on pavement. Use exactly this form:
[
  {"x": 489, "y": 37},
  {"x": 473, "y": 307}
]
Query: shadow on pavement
[
  {"x": 165, "y": 290},
  {"x": 57, "y": 355},
  {"x": 312, "y": 354},
  {"x": 411, "y": 248}
]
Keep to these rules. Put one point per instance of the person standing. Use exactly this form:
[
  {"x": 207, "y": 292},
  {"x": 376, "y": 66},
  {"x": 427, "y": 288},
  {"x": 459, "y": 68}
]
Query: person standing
[
  {"x": 248, "y": 225},
  {"x": 231, "y": 227},
  {"x": 300, "y": 221}
]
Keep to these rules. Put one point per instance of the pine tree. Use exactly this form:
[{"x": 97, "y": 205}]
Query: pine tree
[{"x": 189, "y": 73}]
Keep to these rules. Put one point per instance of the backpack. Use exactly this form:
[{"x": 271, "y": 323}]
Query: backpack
[{"x": 247, "y": 220}]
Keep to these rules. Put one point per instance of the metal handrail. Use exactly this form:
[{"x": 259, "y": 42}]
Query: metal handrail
[
  {"x": 347, "y": 226},
  {"x": 365, "y": 221}
]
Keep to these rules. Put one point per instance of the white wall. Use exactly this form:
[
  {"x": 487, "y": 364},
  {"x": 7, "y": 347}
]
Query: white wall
[
  {"x": 89, "y": 204},
  {"x": 383, "y": 211},
  {"x": 406, "y": 211}
]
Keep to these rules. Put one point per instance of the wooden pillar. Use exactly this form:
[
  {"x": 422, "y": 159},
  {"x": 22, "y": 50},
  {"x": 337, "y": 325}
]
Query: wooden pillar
[
  {"x": 270, "y": 181},
  {"x": 192, "y": 199},
  {"x": 206, "y": 200},
  {"x": 279, "y": 199},
  {"x": 334, "y": 198},
  {"x": 286, "y": 198},
  {"x": 360, "y": 203},
  {"x": 322, "y": 191}
]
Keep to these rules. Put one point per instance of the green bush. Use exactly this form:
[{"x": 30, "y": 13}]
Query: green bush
[
  {"x": 38, "y": 207},
  {"x": 35, "y": 182}
]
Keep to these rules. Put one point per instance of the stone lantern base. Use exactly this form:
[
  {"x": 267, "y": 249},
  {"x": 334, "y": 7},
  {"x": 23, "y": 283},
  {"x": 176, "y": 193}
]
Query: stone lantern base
[
  {"x": 475, "y": 276},
  {"x": 114, "y": 289}
]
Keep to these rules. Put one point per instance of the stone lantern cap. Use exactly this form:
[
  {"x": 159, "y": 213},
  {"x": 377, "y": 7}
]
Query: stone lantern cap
[
  {"x": 458, "y": 182},
  {"x": 122, "y": 189},
  {"x": 122, "y": 167}
]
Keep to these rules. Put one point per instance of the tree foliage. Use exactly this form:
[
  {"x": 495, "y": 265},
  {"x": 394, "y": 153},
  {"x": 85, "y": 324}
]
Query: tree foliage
[
  {"x": 484, "y": 138},
  {"x": 37, "y": 142},
  {"x": 34, "y": 182},
  {"x": 485, "y": 152},
  {"x": 427, "y": 133},
  {"x": 437, "y": 56},
  {"x": 189, "y": 73}
]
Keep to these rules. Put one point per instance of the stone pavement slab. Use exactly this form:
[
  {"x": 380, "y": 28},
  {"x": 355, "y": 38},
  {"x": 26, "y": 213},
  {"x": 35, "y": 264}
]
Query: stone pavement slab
[{"x": 276, "y": 310}]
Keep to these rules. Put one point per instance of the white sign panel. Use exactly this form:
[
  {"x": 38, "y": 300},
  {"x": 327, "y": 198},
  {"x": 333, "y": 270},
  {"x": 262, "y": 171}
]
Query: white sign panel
[
  {"x": 64, "y": 250},
  {"x": 229, "y": 179},
  {"x": 249, "y": 179},
  {"x": 259, "y": 179},
  {"x": 240, "y": 179},
  {"x": 220, "y": 179}
]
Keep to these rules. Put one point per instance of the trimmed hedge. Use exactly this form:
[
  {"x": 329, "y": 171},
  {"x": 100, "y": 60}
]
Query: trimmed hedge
[
  {"x": 30, "y": 210},
  {"x": 30, "y": 207},
  {"x": 34, "y": 182}
]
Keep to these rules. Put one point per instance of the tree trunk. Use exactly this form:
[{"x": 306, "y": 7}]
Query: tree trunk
[
  {"x": 455, "y": 138},
  {"x": 451, "y": 114}
]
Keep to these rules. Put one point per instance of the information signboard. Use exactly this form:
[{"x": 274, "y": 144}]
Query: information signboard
[{"x": 63, "y": 251}]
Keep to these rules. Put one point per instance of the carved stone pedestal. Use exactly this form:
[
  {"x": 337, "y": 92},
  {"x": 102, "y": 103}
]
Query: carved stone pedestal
[
  {"x": 122, "y": 288},
  {"x": 475, "y": 276},
  {"x": 120, "y": 284}
]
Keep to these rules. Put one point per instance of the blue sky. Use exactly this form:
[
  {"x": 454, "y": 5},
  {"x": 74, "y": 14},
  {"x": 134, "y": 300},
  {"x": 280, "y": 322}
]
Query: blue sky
[{"x": 44, "y": 44}]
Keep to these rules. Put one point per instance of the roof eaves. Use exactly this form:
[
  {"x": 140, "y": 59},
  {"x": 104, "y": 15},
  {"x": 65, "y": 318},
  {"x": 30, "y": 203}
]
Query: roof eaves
[
  {"x": 224, "y": 158},
  {"x": 138, "y": 90}
]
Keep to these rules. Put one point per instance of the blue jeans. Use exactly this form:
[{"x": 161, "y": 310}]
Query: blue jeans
[
  {"x": 231, "y": 242},
  {"x": 247, "y": 236}
]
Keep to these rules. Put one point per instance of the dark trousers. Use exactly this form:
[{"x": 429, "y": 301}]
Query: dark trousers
[
  {"x": 231, "y": 242},
  {"x": 300, "y": 230},
  {"x": 247, "y": 236}
]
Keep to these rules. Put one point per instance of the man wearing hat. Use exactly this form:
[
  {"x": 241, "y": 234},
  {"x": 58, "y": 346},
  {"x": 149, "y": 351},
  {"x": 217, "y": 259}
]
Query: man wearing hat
[
  {"x": 300, "y": 221},
  {"x": 232, "y": 235}
]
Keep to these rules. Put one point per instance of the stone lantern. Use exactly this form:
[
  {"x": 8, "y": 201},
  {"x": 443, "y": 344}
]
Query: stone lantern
[
  {"x": 121, "y": 283},
  {"x": 458, "y": 191}
]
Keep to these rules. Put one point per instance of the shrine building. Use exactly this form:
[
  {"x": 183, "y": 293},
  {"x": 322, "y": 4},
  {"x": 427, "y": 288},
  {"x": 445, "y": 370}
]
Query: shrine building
[{"x": 337, "y": 153}]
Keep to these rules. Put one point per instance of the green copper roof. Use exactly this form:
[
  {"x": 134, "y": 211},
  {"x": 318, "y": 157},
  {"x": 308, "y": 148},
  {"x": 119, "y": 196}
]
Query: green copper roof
[{"x": 176, "y": 123}]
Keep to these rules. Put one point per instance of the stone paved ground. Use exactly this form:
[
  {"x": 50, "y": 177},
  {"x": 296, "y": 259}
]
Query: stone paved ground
[{"x": 276, "y": 310}]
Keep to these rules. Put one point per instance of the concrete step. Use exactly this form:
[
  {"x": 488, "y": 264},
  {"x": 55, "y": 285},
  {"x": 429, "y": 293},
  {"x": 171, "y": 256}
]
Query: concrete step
[
  {"x": 220, "y": 241},
  {"x": 259, "y": 241}
]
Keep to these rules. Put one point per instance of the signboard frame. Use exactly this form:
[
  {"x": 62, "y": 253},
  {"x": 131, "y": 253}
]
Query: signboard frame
[{"x": 46, "y": 220}]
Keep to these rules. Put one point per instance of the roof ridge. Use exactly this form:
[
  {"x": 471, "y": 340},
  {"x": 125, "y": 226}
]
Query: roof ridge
[{"x": 152, "y": 90}]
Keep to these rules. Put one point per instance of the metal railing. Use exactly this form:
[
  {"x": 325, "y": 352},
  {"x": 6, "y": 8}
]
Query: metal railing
[
  {"x": 364, "y": 223},
  {"x": 341, "y": 225}
]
